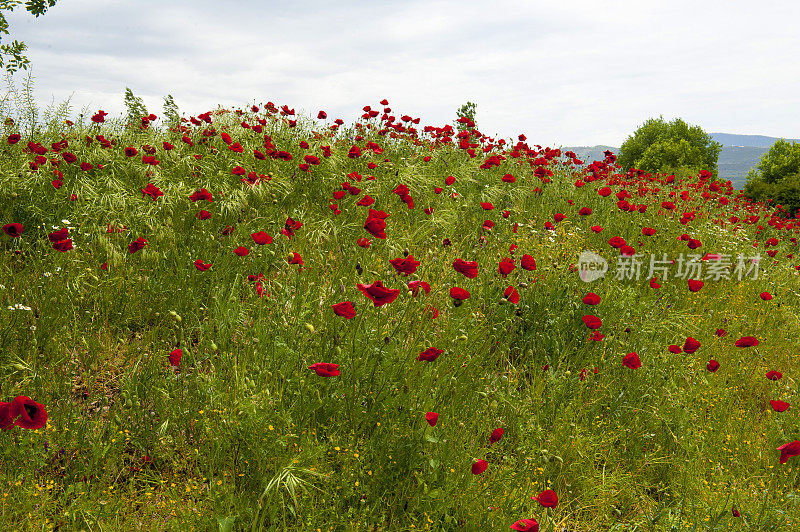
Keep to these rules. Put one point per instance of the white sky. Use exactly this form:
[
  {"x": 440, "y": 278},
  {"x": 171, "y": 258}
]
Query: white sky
[{"x": 562, "y": 72}]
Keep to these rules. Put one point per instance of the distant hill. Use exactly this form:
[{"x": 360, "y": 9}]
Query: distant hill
[
  {"x": 739, "y": 154},
  {"x": 747, "y": 141}
]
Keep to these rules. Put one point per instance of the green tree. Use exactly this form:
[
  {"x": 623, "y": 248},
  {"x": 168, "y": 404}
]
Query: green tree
[
  {"x": 776, "y": 177},
  {"x": 14, "y": 50},
  {"x": 466, "y": 111},
  {"x": 669, "y": 147}
]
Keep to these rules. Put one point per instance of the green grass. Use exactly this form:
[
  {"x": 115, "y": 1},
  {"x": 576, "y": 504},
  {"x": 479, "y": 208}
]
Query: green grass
[{"x": 243, "y": 436}]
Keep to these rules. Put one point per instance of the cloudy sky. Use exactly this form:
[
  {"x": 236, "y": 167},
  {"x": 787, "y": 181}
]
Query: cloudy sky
[{"x": 562, "y": 72}]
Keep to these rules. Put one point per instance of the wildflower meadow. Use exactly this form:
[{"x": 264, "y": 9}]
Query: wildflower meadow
[{"x": 257, "y": 319}]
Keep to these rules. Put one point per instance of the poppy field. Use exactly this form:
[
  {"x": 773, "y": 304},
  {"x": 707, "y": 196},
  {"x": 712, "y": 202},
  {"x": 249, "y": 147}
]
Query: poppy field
[{"x": 260, "y": 320}]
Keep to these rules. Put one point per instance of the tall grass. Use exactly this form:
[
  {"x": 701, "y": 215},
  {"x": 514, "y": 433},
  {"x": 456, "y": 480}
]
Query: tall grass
[{"x": 243, "y": 435}]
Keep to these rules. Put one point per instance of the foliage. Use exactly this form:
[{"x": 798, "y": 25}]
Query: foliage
[
  {"x": 14, "y": 51},
  {"x": 136, "y": 109},
  {"x": 467, "y": 111},
  {"x": 781, "y": 161},
  {"x": 172, "y": 115},
  {"x": 669, "y": 147},
  {"x": 776, "y": 177},
  {"x": 20, "y": 103}
]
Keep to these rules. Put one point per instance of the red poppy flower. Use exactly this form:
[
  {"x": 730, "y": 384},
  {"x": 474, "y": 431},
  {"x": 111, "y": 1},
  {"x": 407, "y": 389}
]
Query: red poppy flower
[
  {"x": 354, "y": 152},
  {"x": 152, "y": 191},
  {"x": 430, "y": 354},
  {"x": 788, "y": 450},
  {"x": 325, "y": 369},
  {"x": 592, "y": 322},
  {"x": 596, "y": 228},
  {"x": 200, "y": 266},
  {"x": 261, "y": 238},
  {"x": 591, "y": 299},
  {"x": 201, "y": 194},
  {"x": 779, "y": 406},
  {"x": 99, "y": 117},
  {"x": 432, "y": 418},
  {"x": 506, "y": 266},
  {"x": 512, "y": 295},
  {"x": 712, "y": 366},
  {"x": 487, "y": 225},
  {"x": 203, "y": 215},
  {"x": 63, "y": 245},
  {"x": 596, "y": 336},
  {"x": 468, "y": 268},
  {"x": 449, "y": 180},
  {"x": 14, "y": 230},
  {"x": 631, "y": 360},
  {"x": 694, "y": 285},
  {"x": 414, "y": 286},
  {"x": 496, "y": 435},
  {"x": 27, "y": 413},
  {"x": 344, "y": 309},
  {"x": 691, "y": 345},
  {"x": 58, "y": 236},
  {"x": 405, "y": 266},
  {"x": 654, "y": 283},
  {"x": 487, "y": 205},
  {"x": 459, "y": 293},
  {"x": 508, "y": 178},
  {"x": 376, "y": 223},
  {"x": 366, "y": 201},
  {"x": 322, "y": 115},
  {"x": 721, "y": 332},
  {"x": 774, "y": 375},
  {"x": 528, "y": 263},
  {"x": 648, "y": 231},
  {"x": 766, "y": 296},
  {"x": 175, "y": 357},
  {"x": 547, "y": 498},
  {"x": 617, "y": 242},
  {"x": 295, "y": 258},
  {"x": 363, "y": 242},
  {"x": 290, "y": 226},
  {"x": 378, "y": 294},
  {"x": 137, "y": 245},
  {"x": 479, "y": 467},
  {"x": 526, "y": 525},
  {"x": 746, "y": 341},
  {"x": 242, "y": 251},
  {"x": 735, "y": 511}
]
